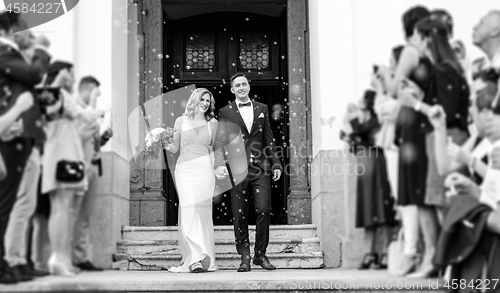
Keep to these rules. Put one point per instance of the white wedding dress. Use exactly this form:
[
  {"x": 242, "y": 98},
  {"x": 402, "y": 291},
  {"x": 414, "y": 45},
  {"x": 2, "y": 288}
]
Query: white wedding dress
[{"x": 195, "y": 183}]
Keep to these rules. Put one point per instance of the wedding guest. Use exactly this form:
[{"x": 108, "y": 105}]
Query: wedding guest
[
  {"x": 447, "y": 87},
  {"x": 17, "y": 79},
  {"x": 457, "y": 45},
  {"x": 486, "y": 37},
  {"x": 64, "y": 142},
  {"x": 40, "y": 242},
  {"x": 374, "y": 203},
  {"x": 387, "y": 108},
  {"x": 16, "y": 239},
  {"x": 410, "y": 136},
  {"x": 471, "y": 158},
  {"x": 88, "y": 92}
]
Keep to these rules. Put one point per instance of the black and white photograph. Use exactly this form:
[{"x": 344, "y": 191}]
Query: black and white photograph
[{"x": 249, "y": 145}]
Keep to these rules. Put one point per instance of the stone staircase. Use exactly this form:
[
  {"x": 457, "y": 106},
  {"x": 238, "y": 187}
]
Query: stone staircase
[{"x": 156, "y": 248}]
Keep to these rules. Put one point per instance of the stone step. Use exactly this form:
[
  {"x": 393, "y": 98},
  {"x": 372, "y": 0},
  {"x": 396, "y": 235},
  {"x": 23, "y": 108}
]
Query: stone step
[
  {"x": 166, "y": 247},
  {"x": 221, "y": 232},
  {"x": 225, "y": 261},
  {"x": 279, "y": 281}
]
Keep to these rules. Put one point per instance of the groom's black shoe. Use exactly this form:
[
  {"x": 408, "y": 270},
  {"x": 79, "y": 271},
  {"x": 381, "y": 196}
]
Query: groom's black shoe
[
  {"x": 263, "y": 261},
  {"x": 245, "y": 263}
]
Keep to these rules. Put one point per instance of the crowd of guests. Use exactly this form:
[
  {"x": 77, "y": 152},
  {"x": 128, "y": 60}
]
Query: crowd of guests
[
  {"x": 50, "y": 139},
  {"x": 427, "y": 135}
]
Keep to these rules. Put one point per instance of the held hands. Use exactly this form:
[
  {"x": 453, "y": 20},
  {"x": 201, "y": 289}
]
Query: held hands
[{"x": 221, "y": 172}]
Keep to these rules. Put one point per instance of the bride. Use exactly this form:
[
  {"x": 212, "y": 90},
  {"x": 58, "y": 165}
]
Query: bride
[{"x": 195, "y": 182}]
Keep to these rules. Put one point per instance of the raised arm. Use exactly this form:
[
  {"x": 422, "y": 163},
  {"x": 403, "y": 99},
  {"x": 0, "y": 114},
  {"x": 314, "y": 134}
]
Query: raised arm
[
  {"x": 174, "y": 146},
  {"x": 23, "y": 103},
  {"x": 407, "y": 63},
  {"x": 73, "y": 110}
]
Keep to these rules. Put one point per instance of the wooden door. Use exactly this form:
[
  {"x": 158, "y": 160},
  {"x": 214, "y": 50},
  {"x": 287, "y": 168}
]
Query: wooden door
[{"x": 206, "y": 50}]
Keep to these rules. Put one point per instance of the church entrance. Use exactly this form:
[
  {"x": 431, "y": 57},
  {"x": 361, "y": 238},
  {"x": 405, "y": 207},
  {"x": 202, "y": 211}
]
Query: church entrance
[{"x": 205, "y": 50}]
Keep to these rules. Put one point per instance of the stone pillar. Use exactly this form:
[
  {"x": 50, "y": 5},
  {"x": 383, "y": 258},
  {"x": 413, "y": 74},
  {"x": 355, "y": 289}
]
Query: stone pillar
[
  {"x": 299, "y": 198},
  {"x": 146, "y": 180},
  {"x": 333, "y": 181},
  {"x": 104, "y": 55}
]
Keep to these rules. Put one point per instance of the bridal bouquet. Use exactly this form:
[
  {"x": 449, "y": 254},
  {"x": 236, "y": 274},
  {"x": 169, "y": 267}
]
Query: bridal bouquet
[{"x": 155, "y": 139}]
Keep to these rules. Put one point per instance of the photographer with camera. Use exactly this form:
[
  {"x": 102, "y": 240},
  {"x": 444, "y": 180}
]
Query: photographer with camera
[{"x": 18, "y": 76}]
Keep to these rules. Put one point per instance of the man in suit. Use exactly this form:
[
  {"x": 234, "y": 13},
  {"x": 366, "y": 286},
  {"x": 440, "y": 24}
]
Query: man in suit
[
  {"x": 88, "y": 92},
  {"x": 17, "y": 77},
  {"x": 248, "y": 121}
]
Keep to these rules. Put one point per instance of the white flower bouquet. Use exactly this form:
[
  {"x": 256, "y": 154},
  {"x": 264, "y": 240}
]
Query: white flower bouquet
[{"x": 155, "y": 139}]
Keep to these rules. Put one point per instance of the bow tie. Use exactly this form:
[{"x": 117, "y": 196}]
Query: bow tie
[{"x": 244, "y": 104}]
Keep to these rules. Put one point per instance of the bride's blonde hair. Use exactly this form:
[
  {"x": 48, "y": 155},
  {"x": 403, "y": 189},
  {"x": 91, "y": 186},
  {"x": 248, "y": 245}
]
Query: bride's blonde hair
[{"x": 195, "y": 99}]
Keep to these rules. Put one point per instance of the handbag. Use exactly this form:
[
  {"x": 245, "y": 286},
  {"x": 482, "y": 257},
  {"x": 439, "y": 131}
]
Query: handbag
[
  {"x": 68, "y": 171},
  {"x": 3, "y": 168},
  {"x": 395, "y": 254}
]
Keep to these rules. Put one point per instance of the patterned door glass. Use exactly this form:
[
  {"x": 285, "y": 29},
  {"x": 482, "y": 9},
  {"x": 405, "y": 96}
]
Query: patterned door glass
[
  {"x": 200, "y": 51},
  {"x": 254, "y": 51}
]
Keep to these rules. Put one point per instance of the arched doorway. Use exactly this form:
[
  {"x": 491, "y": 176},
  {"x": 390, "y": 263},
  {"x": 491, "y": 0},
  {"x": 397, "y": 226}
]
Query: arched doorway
[
  {"x": 149, "y": 191},
  {"x": 206, "y": 50}
]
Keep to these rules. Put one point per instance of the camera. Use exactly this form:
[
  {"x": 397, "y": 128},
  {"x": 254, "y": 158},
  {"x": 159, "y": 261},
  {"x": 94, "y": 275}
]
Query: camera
[{"x": 48, "y": 98}]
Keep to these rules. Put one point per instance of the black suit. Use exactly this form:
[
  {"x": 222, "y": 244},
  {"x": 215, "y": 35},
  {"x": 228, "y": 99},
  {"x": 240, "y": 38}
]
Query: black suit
[
  {"x": 16, "y": 77},
  {"x": 250, "y": 171}
]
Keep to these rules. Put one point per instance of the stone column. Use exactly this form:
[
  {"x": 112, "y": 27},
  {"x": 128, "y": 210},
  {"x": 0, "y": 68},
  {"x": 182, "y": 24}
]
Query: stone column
[
  {"x": 333, "y": 83},
  {"x": 299, "y": 198},
  {"x": 146, "y": 180},
  {"x": 104, "y": 55}
]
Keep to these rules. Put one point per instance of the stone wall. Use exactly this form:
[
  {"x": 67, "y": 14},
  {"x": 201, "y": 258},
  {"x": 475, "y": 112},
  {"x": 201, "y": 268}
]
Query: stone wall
[{"x": 333, "y": 209}]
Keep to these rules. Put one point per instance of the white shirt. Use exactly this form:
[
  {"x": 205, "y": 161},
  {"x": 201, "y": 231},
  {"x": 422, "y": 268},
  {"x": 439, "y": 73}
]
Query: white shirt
[{"x": 246, "y": 113}]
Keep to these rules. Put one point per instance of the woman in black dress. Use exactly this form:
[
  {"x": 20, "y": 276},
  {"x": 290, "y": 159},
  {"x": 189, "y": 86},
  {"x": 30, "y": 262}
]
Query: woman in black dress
[
  {"x": 374, "y": 201},
  {"x": 446, "y": 86},
  {"x": 414, "y": 70}
]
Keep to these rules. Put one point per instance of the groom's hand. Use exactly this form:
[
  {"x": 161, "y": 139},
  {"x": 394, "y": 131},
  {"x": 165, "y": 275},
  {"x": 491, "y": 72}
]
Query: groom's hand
[{"x": 276, "y": 174}]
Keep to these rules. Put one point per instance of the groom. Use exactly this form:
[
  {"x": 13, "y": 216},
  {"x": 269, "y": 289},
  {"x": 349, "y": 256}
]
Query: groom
[{"x": 247, "y": 121}]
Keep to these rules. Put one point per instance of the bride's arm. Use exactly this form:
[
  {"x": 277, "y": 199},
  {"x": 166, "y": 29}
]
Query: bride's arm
[
  {"x": 174, "y": 146},
  {"x": 215, "y": 126}
]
